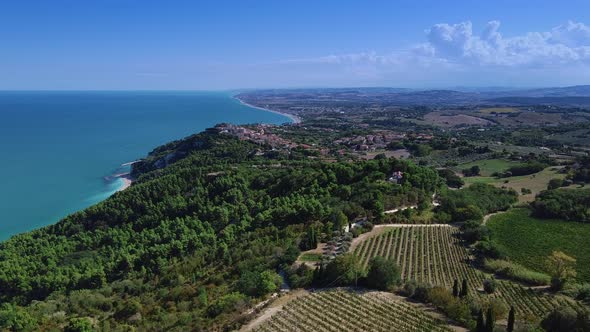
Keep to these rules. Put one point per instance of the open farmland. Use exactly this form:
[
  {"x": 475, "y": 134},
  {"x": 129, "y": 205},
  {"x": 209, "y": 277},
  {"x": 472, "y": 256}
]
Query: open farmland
[
  {"x": 433, "y": 254},
  {"x": 451, "y": 120},
  {"x": 528, "y": 240},
  {"x": 535, "y": 182},
  {"x": 340, "y": 310}
]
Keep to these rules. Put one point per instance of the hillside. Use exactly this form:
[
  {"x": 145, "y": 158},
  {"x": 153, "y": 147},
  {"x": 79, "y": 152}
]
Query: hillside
[{"x": 197, "y": 240}]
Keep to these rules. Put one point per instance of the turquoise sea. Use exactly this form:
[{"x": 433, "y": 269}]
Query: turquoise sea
[{"x": 59, "y": 149}]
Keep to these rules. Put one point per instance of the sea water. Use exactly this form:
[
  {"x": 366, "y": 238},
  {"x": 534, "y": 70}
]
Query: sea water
[{"x": 59, "y": 150}]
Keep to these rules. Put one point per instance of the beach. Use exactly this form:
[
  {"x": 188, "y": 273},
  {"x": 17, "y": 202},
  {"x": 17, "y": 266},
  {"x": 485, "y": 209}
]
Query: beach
[
  {"x": 127, "y": 181},
  {"x": 293, "y": 117}
]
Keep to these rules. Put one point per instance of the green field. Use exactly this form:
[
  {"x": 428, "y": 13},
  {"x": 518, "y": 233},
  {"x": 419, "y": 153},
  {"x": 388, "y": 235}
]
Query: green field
[
  {"x": 488, "y": 166},
  {"x": 528, "y": 241},
  {"x": 535, "y": 182}
]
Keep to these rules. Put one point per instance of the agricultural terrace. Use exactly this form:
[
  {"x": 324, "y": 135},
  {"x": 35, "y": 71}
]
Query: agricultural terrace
[
  {"x": 535, "y": 182},
  {"x": 528, "y": 240},
  {"x": 433, "y": 254},
  {"x": 340, "y": 310}
]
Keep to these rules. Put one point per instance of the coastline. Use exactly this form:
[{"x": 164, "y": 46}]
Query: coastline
[
  {"x": 294, "y": 118},
  {"x": 126, "y": 181}
]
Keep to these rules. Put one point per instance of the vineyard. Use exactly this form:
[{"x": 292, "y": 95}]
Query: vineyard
[
  {"x": 434, "y": 255},
  {"x": 340, "y": 310}
]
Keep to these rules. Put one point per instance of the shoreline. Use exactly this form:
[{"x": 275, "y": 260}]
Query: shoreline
[
  {"x": 126, "y": 183},
  {"x": 126, "y": 178},
  {"x": 294, "y": 118}
]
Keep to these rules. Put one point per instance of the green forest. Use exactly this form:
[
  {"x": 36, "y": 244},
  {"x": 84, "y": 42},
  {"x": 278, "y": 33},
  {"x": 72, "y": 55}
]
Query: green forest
[{"x": 204, "y": 230}]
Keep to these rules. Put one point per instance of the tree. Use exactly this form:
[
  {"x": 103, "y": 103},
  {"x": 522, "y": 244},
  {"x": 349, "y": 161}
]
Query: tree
[
  {"x": 268, "y": 282},
  {"x": 561, "y": 267},
  {"x": 344, "y": 270},
  {"x": 464, "y": 291},
  {"x": 383, "y": 273},
  {"x": 490, "y": 320},
  {"x": 472, "y": 171},
  {"x": 456, "y": 288},
  {"x": 259, "y": 284},
  {"x": 481, "y": 324},
  {"x": 554, "y": 184},
  {"x": 340, "y": 220},
  {"x": 510, "y": 326}
]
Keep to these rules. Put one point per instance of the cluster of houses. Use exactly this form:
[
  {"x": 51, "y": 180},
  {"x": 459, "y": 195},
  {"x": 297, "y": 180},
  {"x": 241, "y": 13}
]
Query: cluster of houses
[{"x": 258, "y": 134}]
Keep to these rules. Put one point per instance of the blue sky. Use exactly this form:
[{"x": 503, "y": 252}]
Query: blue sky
[{"x": 205, "y": 45}]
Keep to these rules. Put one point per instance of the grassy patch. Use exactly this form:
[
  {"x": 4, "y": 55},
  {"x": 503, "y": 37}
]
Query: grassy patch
[
  {"x": 528, "y": 241},
  {"x": 489, "y": 166},
  {"x": 310, "y": 257},
  {"x": 535, "y": 182}
]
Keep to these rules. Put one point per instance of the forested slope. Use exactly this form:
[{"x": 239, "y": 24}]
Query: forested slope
[{"x": 168, "y": 252}]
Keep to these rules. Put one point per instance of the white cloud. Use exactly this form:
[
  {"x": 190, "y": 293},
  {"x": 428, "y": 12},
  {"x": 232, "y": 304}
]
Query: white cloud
[
  {"x": 568, "y": 43},
  {"x": 452, "y": 54}
]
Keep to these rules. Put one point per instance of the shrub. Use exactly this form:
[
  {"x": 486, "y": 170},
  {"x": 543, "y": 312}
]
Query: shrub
[
  {"x": 300, "y": 277},
  {"x": 489, "y": 286},
  {"x": 499, "y": 309},
  {"x": 420, "y": 291},
  {"x": 409, "y": 288},
  {"x": 458, "y": 311},
  {"x": 563, "y": 319},
  {"x": 554, "y": 184},
  {"x": 489, "y": 249},
  {"x": 440, "y": 296}
]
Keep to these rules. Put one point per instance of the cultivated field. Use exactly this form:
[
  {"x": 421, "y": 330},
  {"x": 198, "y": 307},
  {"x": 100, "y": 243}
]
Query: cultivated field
[
  {"x": 451, "y": 120},
  {"x": 528, "y": 240},
  {"x": 341, "y": 310},
  {"x": 433, "y": 254}
]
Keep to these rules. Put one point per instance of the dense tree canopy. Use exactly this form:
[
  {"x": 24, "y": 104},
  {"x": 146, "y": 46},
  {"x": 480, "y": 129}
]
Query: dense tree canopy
[
  {"x": 565, "y": 204},
  {"x": 207, "y": 224},
  {"x": 473, "y": 202}
]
